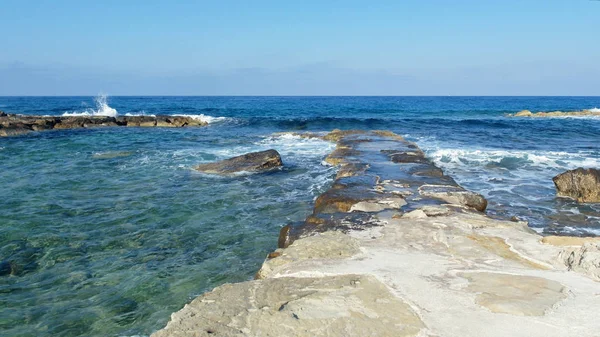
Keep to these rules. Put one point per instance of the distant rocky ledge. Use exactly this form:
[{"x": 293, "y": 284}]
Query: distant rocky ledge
[
  {"x": 397, "y": 248},
  {"x": 15, "y": 125},
  {"x": 581, "y": 113}
]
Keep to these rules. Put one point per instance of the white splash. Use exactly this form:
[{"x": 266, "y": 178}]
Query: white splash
[
  {"x": 102, "y": 109},
  {"x": 594, "y": 110},
  {"x": 205, "y": 118}
]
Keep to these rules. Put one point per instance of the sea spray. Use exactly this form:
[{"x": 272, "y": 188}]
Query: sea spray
[{"x": 102, "y": 109}]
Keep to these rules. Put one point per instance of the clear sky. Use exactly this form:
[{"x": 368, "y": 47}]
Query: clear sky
[{"x": 412, "y": 47}]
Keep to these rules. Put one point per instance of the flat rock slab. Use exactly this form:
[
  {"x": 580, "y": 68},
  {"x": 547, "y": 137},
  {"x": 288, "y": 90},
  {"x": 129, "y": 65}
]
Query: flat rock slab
[
  {"x": 250, "y": 162},
  {"x": 454, "y": 195},
  {"x": 346, "y": 305},
  {"x": 514, "y": 294}
]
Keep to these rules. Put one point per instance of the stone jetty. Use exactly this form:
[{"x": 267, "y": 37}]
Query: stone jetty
[
  {"x": 397, "y": 248},
  {"x": 15, "y": 125}
]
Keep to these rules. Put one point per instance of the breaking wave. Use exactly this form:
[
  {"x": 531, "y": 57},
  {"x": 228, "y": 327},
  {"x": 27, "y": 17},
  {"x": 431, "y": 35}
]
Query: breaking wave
[{"x": 102, "y": 109}]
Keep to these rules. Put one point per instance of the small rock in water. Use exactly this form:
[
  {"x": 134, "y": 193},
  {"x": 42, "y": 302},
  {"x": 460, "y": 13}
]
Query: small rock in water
[
  {"x": 250, "y": 162},
  {"x": 581, "y": 184},
  {"x": 110, "y": 155}
]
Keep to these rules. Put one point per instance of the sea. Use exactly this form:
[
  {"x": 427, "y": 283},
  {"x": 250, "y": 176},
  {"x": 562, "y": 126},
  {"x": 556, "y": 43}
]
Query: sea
[{"x": 111, "y": 230}]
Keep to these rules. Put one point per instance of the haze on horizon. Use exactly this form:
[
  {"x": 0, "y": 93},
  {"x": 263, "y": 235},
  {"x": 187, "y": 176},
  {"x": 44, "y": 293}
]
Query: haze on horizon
[{"x": 435, "y": 47}]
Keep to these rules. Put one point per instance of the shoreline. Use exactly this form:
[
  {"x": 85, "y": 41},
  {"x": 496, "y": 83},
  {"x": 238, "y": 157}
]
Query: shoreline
[{"x": 397, "y": 248}]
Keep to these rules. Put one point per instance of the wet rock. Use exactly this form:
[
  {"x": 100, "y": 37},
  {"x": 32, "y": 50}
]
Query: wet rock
[
  {"x": 99, "y": 121},
  {"x": 527, "y": 113},
  {"x": 14, "y": 131},
  {"x": 581, "y": 184},
  {"x": 71, "y": 123},
  {"x": 523, "y": 113},
  {"x": 250, "y": 162},
  {"x": 454, "y": 195},
  {"x": 140, "y": 121},
  {"x": 3, "y": 114}
]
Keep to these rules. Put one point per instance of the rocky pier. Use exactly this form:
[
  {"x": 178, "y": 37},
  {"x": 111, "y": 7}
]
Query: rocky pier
[
  {"x": 397, "y": 248},
  {"x": 15, "y": 125}
]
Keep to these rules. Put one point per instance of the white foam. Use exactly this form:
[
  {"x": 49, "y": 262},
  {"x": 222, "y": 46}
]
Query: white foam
[
  {"x": 539, "y": 159},
  {"x": 102, "y": 109},
  {"x": 594, "y": 110},
  {"x": 142, "y": 113},
  {"x": 205, "y": 118}
]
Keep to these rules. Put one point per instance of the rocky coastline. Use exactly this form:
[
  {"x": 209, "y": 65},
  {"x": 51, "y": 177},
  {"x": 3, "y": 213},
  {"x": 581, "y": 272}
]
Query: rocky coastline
[
  {"x": 581, "y": 113},
  {"x": 15, "y": 125},
  {"x": 397, "y": 248}
]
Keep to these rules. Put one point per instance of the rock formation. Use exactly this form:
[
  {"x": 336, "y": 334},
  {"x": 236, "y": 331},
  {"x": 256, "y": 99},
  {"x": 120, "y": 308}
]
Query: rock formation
[
  {"x": 250, "y": 162},
  {"x": 392, "y": 249},
  {"x": 580, "y": 184},
  {"x": 582, "y": 113},
  {"x": 15, "y": 125}
]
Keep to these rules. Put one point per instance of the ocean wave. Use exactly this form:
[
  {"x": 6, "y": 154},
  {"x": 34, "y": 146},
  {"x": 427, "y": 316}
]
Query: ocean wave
[
  {"x": 512, "y": 160},
  {"x": 594, "y": 110},
  {"x": 102, "y": 109}
]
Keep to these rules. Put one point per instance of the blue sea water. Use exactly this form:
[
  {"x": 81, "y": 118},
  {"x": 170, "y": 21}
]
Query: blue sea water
[{"x": 112, "y": 230}]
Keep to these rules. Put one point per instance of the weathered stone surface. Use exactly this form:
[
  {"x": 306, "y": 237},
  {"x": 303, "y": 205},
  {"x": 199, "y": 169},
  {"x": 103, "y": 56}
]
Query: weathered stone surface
[
  {"x": 380, "y": 205},
  {"x": 463, "y": 273},
  {"x": 562, "y": 241},
  {"x": 347, "y": 305},
  {"x": 454, "y": 195},
  {"x": 250, "y": 162},
  {"x": 328, "y": 245},
  {"x": 514, "y": 294},
  {"x": 580, "y": 184},
  {"x": 584, "y": 259}
]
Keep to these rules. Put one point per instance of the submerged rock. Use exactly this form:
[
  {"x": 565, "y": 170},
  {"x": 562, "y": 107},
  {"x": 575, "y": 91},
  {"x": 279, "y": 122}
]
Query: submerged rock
[
  {"x": 581, "y": 184},
  {"x": 250, "y": 162}
]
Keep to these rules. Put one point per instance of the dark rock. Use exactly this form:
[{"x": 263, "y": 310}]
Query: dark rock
[
  {"x": 5, "y": 268},
  {"x": 3, "y": 114},
  {"x": 250, "y": 162},
  {"x": 284, "y": 237},
  {"x": 140, "y": 121},
  {"x": 14, "y": 130},
  {"x": 581, "y": 184}
]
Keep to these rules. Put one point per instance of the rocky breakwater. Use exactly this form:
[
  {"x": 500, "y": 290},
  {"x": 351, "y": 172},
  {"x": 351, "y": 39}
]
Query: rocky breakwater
[
  {"x": 397, "y": 248},
  {"x": 15, "y": 125},
  {"x": 581, "y": 113}
]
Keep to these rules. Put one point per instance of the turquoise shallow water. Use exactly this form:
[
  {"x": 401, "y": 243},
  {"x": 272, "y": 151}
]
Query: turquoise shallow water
[
  {"x": 108, "y": 231},
  {"x": 112, "y": 230}
]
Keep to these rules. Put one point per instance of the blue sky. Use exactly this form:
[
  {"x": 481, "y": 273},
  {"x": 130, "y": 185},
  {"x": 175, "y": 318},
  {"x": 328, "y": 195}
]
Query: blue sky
[{"x": 426, "y": 47}]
